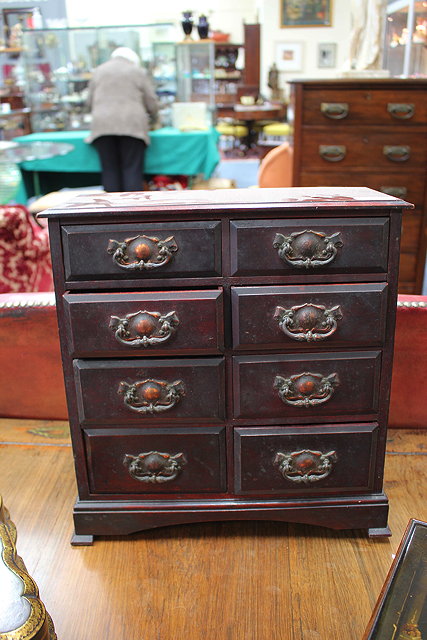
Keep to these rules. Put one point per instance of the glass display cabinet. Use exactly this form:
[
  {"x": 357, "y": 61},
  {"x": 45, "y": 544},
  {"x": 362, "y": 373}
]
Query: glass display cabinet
[
  {"x": 209, "y": 72},
  {"x": 58, "y": 64},
  {"x": 405, "y": 46}
]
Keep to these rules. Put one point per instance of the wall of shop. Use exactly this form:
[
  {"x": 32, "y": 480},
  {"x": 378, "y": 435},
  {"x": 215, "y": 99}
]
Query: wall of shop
[
  {"x": 304, "y": 43},
  {"x": 226, "y": 16}
]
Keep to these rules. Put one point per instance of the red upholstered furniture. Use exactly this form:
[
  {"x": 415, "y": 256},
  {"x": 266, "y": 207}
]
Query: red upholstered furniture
[
  {"x": 408, "y": 406},
  {"x": 32, "y": 381},
  {"x": 24, "y": 252},
  {"x": 33, "y": 386}
]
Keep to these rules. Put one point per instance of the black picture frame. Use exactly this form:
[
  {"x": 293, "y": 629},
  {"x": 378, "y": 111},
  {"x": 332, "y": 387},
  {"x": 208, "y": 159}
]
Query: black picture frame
[
  {"x": 401, "y": 609},
  {"x": 306, "y": 13}
]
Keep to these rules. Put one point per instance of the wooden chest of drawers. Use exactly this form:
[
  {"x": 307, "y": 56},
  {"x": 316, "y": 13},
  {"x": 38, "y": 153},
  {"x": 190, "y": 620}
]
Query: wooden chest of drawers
[
  {"x": 369, "y": 133},
  {"x": 227, "y": 355}
]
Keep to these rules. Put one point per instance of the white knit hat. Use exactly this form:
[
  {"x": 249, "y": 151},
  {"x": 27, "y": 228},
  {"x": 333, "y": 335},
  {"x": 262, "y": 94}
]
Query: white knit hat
[{"x": 129, "y": 54}]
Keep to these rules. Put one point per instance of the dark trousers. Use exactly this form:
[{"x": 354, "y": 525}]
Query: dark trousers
[{"x": 122, "y": 161}]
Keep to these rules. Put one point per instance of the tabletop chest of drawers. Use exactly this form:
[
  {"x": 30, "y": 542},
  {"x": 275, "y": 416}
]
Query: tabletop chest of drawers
[
  {"x": 227, "y": 355},
  {"x": 372, "y": 133}
]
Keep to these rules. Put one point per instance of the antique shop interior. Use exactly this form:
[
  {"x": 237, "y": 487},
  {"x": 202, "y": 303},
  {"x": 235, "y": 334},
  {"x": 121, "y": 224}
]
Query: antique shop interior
[{"x": 180, "y": 456}]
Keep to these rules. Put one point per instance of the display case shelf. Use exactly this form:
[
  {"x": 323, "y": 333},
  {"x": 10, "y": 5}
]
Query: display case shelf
[{"x": 58, "y": 64}]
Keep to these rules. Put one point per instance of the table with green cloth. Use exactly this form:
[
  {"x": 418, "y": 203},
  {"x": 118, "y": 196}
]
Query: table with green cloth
[{"x": 171, "y": 152}]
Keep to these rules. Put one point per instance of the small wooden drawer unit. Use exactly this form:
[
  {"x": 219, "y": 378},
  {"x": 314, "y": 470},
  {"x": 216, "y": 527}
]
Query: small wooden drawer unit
[
  {"x": 227, "y": 355},
  {"x": 371, "y": 133}
]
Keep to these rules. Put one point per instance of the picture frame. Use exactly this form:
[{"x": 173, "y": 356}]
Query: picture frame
[
  {"x": 401, "y": 608},
  {"x": 305, "y": 13},
  {"x": 289, "y": 56},
  {"x": 326, "y": 55}
]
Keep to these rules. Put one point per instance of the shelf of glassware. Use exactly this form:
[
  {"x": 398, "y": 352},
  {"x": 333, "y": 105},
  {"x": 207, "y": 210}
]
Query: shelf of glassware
[{"x": 58, "y": 64}]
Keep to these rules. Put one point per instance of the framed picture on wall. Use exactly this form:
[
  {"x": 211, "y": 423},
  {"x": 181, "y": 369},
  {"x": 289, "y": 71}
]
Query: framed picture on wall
[
  {"x": 289, "y": 56},
  {"x": 305, "y": 13},
  {"x": 327, "y": 55}
]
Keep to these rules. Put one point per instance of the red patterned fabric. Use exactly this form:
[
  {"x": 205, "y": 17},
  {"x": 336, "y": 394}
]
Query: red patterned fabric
[{"x": 24, "y": 252}]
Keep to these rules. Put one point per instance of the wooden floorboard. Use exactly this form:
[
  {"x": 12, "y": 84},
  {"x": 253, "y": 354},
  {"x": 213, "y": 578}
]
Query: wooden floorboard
[{"x": 217, "y": 581}]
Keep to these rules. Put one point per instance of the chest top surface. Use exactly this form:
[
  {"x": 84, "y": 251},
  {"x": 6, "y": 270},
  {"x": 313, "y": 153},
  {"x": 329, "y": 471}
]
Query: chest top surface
[{"x": 215, "y": 202}]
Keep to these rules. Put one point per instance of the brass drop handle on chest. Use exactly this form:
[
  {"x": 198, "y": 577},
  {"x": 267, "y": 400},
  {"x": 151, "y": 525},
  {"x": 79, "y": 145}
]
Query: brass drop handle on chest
[
  {"x": 397, "y": 153},
  {"x": 142, "y": 252},
  {"x": 151, "y": 396},
  {"x": 144, "y": 328},
  {"x": 307, "y": 249},
  {"x": 332, "y": 152},
  {"x": 306, "y": 389},
  {"x": 401, "y": 111},
  {"x": 154, "y": 467},
  {"x": 335, "y": 110},
  {"x": 397, "y": 192},
  {"x": 305, "y": 466},
  {"x": 308, "y": 322}
]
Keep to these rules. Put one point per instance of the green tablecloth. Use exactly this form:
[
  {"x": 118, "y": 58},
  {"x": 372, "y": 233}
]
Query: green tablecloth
[{"x": 171, "y": 152}]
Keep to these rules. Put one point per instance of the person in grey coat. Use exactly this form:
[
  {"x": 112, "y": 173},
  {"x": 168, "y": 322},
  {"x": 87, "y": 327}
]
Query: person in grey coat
[{"x": 122, "y": 101}]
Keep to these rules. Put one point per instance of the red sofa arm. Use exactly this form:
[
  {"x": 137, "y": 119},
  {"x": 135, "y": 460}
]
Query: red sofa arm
[
  {"x": 30, "y": 361},
  {"x": 408, "y": 402},
  {"x": 33, "y": 387}
]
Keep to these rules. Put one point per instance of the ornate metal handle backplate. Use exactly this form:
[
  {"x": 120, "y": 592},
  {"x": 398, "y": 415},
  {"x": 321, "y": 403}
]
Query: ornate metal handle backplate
[
  {"x": 142, "y": 253},
  {"x": 309, "y": 322},
  {"x": 305, "y": 466},
  {"x": 401, "y": 111},
  {"x": 151, "y": 396},
  {"x": 154, "y": 467},
  {"x": 335, "y": 110},
  {"x": 308, "y": 249},
  {"x": 306, "y": 389},
  {"x": 144, "y": 328}
]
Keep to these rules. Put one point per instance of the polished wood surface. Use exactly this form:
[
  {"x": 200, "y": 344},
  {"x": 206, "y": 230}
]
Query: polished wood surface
[
  {"x": 214, "y": 581},
  {"x": 369, "y": 132},
  {"x": 119, "y": 242}
]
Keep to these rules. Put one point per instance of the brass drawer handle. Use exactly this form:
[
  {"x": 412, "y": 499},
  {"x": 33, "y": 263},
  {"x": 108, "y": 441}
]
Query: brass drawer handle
[
  {"x": 151, "y": 396},
  {"x": 309, "y": 322},
  {"x": 401, "y": 111},
  {"x": 335, "y": 110},
  {"x": 307, "y": 249},
  {"x": 306, "y": 389},
  {"x": 332, "y": 152},
  {"x": 144, "y": 328},
  {"x": 397, "y": 192},
  {"x": 305, "y": 466},
  {"x": 154, "y": 467},
  {"x": 142, "y": 253},
  {"x": 397, "y": 153}
]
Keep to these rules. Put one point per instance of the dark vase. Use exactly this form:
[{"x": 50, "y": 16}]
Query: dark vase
[
  {"x": 187, "y": 24},
  {"x": 203, "y": 27}
]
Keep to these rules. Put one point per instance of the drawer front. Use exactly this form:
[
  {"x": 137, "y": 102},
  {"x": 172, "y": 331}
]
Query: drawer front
[
  {"x": 407, "y": 185},
  {"x": 296, "y": 388},
  {"x": 142, "y": 251},
  {"x": 391, "y": 150},
  {"x": 306, "y": 460},
  {"x": 156, "y": 460},
  {"x": 308, "y": 246},
  {"x": 155, "y": 322},
  {"x": 150, "y": 391},
  {"x": 339, "y": 108},
  {"x": 309, "y": 316}
]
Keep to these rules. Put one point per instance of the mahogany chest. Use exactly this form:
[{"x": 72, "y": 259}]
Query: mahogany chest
[
  {"x": 227, "y": 355},
  {"x": 372, "y": 133}
]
